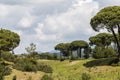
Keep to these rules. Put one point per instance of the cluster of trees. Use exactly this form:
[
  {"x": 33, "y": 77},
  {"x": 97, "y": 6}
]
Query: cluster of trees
[
  {"x": 107, "y": 18},
  {"x": 102, "y": 44},
  {"x": 67, "y": 48}
]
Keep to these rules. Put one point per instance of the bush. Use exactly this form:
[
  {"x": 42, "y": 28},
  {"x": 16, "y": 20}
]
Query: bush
[
  {"x": 102, "y": 62},
  {"x": 1, "y": 77},
  {"x": 29, "y": 67},
  {"x": 48, "y": 56},
  {"x": 14, "y": 78},
  {"x": 45, "y": 68},
  {"x": 5, "y": 55},
  {"x": 85, "y": 76},
  {"x": 100, "y": 52},
  {"x": 4, "y": 70},
  {"x": 26, "y": 65},
  {"x": 46, "y": 77}
]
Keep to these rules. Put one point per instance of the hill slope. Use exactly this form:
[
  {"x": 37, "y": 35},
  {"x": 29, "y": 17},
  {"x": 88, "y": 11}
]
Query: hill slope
[{"x": 70, "y": 71}]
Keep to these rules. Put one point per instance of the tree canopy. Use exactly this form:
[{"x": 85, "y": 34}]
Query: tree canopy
[
  {"x": 63, "y": 48},
  {"x": 101, "y": 39},
  {"x": 108, "y": 18},
  {"x": 8, "y": 40},
  {"x": 78, "y": 45}
]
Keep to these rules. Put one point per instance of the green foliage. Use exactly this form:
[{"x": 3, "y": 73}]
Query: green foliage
[
  {"x": 46, "y": 77},
  {"x": 48, "y": 56},
  {"x": 6, "y": 55},
  {"x": 87, "y": 52},
  {"x": 99, "y": 52},
  {"x": 4, "y": 70},
  {"x": 26, "y": 64},
  {"x": 1, "y": 77},
  {"x": 31, "y": 65},
  {"x": 108, "y": 18},
  {"x": 8, "y": 40},
  {"x": 63, "y": 48},
  {"x": 78, "y": 44},
  {"x": 31, "y": 48},
  {"x": 14, "y": 77},
  {"x": 102, "y": 62},
  {"x": 86, "y": 76},
  {"x": 45, "y": 68},
  {"x": 101, "y": 39}
]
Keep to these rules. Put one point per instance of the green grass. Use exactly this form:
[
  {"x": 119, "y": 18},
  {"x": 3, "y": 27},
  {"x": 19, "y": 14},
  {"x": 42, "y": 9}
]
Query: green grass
[{"x": 70, "y": 71}]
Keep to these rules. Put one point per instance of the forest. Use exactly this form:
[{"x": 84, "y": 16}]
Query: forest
[{"x": 98, "y": 59}]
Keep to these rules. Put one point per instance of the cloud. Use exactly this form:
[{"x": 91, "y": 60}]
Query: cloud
[
  {"x": 105, "y": 3},
  {"x": 69, "y": 25},
  {"x": 26, "y": 21},
  {"x": 49, "y": 22},
  {"x": 29, "y": 2}
]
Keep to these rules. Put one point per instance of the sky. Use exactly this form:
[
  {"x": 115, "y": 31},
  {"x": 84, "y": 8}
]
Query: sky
[{"x": 49, "y": 22}]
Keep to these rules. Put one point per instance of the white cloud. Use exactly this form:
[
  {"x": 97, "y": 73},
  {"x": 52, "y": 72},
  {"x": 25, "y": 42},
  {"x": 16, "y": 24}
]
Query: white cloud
[
  {"x": 69, "y": 25},
  {"x": 3, "y": 11},
  {"x": 105, "y": 3},
  {"x": 41, "y": 35},
  {"x": 29, "y": 2},
  {"x": 26, "y": 21}
]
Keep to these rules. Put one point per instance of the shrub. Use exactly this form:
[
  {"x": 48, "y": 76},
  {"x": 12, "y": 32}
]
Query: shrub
[
  {"x": 29, "y": 67},
  {"x": 45, "y": 68},
  {"x": 100, "y": 52},
  {"x": 4, "y": 70},
  {"x": 85, "y": 76},
  {"x": 101, "y": 62},
  {"x": 26, "y": 65},
  {"x": 14, "y": 77},
  {"x": 1, "y": 77},
  {"x": 5, "y": 55},
  {"x": 46, "y": 77}
]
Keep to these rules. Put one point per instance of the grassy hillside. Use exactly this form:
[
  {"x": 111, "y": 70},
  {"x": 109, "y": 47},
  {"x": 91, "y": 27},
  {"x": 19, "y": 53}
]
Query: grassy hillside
[{"x": 70, "y": 71}]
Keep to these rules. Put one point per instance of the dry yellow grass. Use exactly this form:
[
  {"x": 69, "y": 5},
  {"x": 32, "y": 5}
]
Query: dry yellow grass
[
  {"x": 24, "y": 75},
  {"x": 70, "y": 71}
]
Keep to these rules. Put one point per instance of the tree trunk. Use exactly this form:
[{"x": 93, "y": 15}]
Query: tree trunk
[
  {"x": 13, "y": 52},
  {"x": 117, "y": 41},
  {"x": 80, "y": 52},
  {"x": 60, "y": 55},
  {"x": 71, "y": 55},
  {"x": 119, "y": 32}
]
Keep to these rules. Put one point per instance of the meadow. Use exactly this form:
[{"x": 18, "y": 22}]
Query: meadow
[{"x": 70, "y": 70}]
